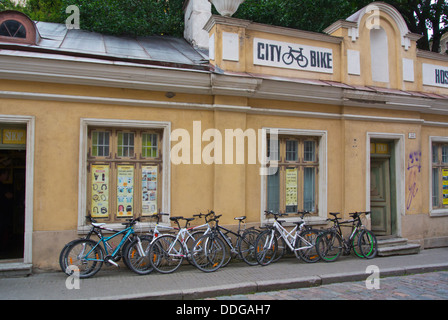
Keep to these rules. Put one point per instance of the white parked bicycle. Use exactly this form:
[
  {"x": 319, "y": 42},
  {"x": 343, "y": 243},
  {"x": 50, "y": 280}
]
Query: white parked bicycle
[
  {"x": 167, "y": 252},
  {"x": 300, "y": 240}
]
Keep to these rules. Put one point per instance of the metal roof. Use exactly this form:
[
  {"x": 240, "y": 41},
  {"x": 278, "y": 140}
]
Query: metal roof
[{"x": 166, "y": 50}]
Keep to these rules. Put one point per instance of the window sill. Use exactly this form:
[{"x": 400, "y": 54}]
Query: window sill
[
  {"x": 311, "y": 221},
  {"x": 142, "y": 227},
  {"x": 438, "y": 213}
]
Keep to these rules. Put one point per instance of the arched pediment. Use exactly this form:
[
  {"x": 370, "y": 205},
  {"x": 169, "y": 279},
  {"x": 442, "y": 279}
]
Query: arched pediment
[{"x": 374, "y": 11}]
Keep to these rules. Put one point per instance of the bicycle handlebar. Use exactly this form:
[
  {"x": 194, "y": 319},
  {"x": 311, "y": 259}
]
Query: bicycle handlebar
[
  {"x": 358, "y": 213},
  {"x": 131, "y": 222}
]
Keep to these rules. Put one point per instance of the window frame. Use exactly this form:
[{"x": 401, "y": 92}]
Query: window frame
[
  {"x": 320, "y": 163},
  {"x": 32, "y": 34},
  {"x": 87, "y": 125},
  {"x": 440, "y": 141}
]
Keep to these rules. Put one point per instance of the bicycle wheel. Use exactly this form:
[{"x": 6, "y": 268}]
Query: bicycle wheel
[
  {"x": 282, "y": 247},
  {"x": 368, "y": 244},
  {"x": 288, "y": 58},
  {"x": 266, "y": 247},
  {"x": 307, "y": 238},
  {"x": 329, "y": 246},
  {"x": 246, "y": 247},
  {"x": 302, "y": 61},
  {"x": 62, "y": 261},
  {"x": 208, "y": 253},
  {"x": 166, "y": 254},
  {"x": 136, "y": 256},
  {"x": 355, "y": 244},
  {"x": 86, "y": 255}
]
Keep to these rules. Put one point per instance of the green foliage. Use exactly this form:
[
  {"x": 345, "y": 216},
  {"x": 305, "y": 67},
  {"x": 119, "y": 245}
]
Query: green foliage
[
  {"x": 426, "y": 17},
  {"x": 155, "y": 17},
  {"x": 311, "y": 15},
  {"x": 130, "y": 17},
  {"x": 38, "y": 10}
]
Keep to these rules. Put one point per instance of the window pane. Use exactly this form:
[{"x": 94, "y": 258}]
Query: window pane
[
  {"x": 309, "y": 151},
  {"x": 291, "y": 189},
  {"x": 435, "y": 187},
  {"x": 100, "y": 144},
  {"x": 291, "y": 150},
  {"x": 274, "y": 192},
  {"x": 272, "y": 149},
  {"x": 445, "y": 154},
  {"x": 125, "y": 144},
  {"x": 149, "y": 145},
  {"x": 309, "y": 189},
  {"x": 435, "y": 153},
  {"x": 125, "y": 191},
  {"x": 12, "y": 28}
]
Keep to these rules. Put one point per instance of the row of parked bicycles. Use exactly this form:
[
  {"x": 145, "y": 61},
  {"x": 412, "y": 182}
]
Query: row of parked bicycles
[{"x": 210, "y": 246}]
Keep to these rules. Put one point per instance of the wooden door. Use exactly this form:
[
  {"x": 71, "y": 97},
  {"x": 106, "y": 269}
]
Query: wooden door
[{"x": 380, "y": 196}]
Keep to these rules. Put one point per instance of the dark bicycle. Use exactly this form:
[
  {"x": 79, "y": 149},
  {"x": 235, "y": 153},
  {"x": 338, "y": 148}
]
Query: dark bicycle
[
  {"x": 289, "y": 57},
  {"x": 243, "y": 244},
  {"x": 330, "y": 243},
  {"x": 96, "y": 229}
]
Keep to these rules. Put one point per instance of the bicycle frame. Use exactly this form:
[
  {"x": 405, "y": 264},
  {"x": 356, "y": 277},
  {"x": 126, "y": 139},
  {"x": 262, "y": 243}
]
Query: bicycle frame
[
  {"x": 219, "y": 229},
  {"x": 155, "y": 231},
  {"x": 183, "y": 235},
  {"x": 354, "y": 223},
  {"x": 289, "y": 237},
  {"x": 105, "y": 240}
]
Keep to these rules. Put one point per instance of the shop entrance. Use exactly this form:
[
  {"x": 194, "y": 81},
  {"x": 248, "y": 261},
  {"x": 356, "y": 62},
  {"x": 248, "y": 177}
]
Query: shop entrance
[
  {"x": 382, "y": 188},
  {"x": 12, "y": 192}
]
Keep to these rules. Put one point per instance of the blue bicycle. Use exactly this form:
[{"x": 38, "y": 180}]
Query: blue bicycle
[{"x": 88, "y": 256}]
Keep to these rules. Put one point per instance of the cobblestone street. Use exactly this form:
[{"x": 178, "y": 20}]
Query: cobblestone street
[{"x": 426, "y": 286}]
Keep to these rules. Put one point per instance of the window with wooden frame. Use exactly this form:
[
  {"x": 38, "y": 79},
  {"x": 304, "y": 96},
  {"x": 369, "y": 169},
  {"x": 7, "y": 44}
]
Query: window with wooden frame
[
  {"x": 439, "y": 175},
  {"x": 294, "y": 187},
  {"x": 124, "y": 173},
  {"x": 16, "y": 27}
]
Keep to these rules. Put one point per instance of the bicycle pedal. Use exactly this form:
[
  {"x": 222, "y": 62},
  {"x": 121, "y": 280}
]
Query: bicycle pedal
[{"x": 109, "y": 260}]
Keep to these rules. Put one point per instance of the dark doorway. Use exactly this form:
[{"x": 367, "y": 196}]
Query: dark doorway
[{"x": 12, "y": 203}]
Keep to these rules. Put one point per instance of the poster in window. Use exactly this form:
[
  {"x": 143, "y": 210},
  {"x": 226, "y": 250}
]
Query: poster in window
[
  {"x": 291, "y": 187},
  {"x": 149, "y": 190},
  {"x": 100, "y": 191},
  {"x": 445, "y": 185},
  {"x": 125, "y": 191}
]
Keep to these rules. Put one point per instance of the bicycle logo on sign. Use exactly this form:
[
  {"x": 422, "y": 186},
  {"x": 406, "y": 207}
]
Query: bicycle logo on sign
[{"x": 289, "y": 57}]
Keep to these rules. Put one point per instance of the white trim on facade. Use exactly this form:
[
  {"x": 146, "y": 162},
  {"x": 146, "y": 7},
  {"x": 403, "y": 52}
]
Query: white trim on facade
[
  {"x": 323, "y": 173},
  {"x": 29, "y": 180},
  {"x": 435, "y": 212},
  {"x": 205, "y": 106},
  {"x": 399, "y": 151},
  {"x": 83, "y": 148}
]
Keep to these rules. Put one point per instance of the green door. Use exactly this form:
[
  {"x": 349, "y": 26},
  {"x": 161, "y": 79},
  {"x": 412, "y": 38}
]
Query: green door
[{"x": 380, "y": 196}]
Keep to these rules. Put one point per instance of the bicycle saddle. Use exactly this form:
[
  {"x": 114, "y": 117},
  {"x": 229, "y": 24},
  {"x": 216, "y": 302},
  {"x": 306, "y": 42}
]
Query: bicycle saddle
[
  {"x": 240, "y": 218},
  {"x": 176, "y": 218},
  {"x": 334, "y": 214},
  {"x": 98, "y": 224}
]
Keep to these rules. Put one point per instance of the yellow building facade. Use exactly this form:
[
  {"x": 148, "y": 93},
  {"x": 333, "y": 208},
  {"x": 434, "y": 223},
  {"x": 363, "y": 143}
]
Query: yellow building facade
[{"x": 359, "y": 113}]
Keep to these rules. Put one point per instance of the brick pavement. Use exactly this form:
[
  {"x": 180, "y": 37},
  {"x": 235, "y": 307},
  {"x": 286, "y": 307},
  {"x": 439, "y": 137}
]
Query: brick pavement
[{"x": 425, "y": 286}]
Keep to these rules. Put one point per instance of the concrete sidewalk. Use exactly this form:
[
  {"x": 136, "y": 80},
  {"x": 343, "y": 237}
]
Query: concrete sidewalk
[{"x": 237, "y": 278}]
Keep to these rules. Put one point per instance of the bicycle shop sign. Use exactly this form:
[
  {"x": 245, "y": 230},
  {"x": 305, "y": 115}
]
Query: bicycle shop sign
[{"x": 292, "y": 56}]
